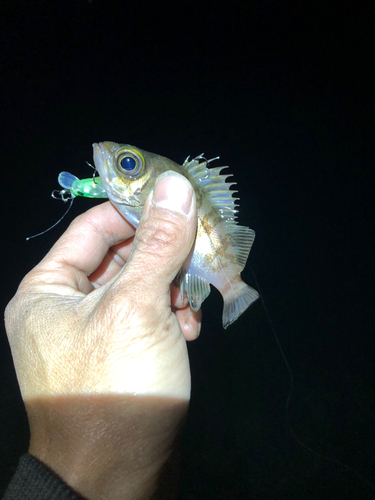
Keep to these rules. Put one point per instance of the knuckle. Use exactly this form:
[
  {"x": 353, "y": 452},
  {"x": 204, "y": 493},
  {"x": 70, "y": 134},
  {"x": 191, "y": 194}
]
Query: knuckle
[{"x": 9, "y": 313}]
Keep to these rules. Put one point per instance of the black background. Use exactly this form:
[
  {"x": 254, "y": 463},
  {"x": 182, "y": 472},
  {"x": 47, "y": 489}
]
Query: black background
[{"x": 283, "y": 92}]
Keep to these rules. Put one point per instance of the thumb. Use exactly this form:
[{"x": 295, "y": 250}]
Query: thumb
[{"x": 164, "y": 237}]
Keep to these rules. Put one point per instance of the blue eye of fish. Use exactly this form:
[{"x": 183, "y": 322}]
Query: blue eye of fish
[{"x": 130, "y": 161}]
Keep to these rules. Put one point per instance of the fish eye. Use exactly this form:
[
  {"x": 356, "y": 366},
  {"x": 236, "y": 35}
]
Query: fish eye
[{"x": 130, "y": 162}]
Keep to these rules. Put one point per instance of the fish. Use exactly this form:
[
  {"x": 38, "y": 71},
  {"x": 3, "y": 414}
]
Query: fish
[{"x": 221, "y": 247}]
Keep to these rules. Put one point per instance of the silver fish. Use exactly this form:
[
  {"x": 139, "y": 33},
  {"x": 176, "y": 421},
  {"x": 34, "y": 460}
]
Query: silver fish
[{"x": 221, "y": 246}]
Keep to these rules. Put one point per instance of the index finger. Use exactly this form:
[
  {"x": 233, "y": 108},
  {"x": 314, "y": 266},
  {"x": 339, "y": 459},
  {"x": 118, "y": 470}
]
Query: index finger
[
  {"x": 82, "y": 248},
  {"x": 89, "y": 237}
]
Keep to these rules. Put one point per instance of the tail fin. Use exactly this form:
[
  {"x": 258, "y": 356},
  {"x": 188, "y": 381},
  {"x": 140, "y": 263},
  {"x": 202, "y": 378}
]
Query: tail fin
[{"x": 236, "y": 301}]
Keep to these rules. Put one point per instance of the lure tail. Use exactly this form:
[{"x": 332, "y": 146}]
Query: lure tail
[{"x": 236, "y": 301}]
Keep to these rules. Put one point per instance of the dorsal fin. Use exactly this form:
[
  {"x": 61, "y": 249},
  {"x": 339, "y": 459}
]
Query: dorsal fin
[
  {"x": 221, "y": 198},
  {"x": 242, "y": 239},
  {"x": 214, "y": 186}
]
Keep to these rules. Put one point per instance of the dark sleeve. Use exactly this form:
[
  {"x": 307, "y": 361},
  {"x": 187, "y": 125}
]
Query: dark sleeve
[{"x": 34, "y": 481}]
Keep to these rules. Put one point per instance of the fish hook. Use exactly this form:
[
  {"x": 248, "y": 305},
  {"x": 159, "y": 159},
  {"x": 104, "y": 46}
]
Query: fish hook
[{"x": 95, "y": 171}]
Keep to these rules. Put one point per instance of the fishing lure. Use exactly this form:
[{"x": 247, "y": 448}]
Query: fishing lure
[
  {"x": 88, "y": 188},
  {"x": 73, "y": 187}
]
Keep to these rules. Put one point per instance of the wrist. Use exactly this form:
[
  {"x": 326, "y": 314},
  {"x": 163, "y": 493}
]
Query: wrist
[{"x": 110, "y": 446}]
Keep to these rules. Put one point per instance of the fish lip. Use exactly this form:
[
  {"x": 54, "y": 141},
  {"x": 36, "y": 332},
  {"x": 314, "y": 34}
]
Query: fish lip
[
  {"x": 101, "y": 145},
  {"x": 100, "y": 160},
  {"x": 101, "y": 165},
  {"x": 96, "y": 146},
  {"x": 99, "y": 152}
]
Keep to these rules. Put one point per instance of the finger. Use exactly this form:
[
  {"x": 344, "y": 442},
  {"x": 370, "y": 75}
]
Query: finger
[
  {"x": 164, "y": 237},
  {"x": 176, "y": 299},
  {"x": 82, "y": 248},
  {"x": 89, "y": 238},
  {"x": 112, "y": 263},
  {"x": 190, "y": 322}
]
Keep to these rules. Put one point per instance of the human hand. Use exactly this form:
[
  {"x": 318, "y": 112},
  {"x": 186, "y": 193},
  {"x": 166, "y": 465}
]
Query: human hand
[{"x": 99, "y": 348}]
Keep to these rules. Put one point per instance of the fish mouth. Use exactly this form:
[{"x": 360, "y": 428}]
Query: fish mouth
[
  {"x": 102, "y": 161},
  {"x": 103, "y": 157},
  {"x": 102, "y": 165},
  {"x": 99, "y": 155}
]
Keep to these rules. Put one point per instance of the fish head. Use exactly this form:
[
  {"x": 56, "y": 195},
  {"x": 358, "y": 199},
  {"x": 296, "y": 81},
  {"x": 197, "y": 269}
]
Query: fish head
[{"x": 128, "y": 173}]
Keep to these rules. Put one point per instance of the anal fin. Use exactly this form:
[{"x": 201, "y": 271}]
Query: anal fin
[{"x": 196, "y": 288}]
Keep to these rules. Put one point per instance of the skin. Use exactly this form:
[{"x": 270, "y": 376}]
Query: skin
[{"x": 100, "y": 348}]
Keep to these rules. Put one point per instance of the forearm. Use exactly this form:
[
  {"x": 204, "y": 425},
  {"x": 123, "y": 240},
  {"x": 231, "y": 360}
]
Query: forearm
[{"x": 110, "y": 446}]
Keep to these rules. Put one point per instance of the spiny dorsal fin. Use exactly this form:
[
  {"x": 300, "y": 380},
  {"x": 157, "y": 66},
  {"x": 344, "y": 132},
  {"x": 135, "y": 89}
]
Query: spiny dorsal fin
[
  {"x": 214, "y": 186},
  {"x": 221, "y": 197}
]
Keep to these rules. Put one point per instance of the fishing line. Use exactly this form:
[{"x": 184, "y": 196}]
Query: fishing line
[
  {"x": 289, "y": 397},
  {"x": 61, "y": 218}
]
